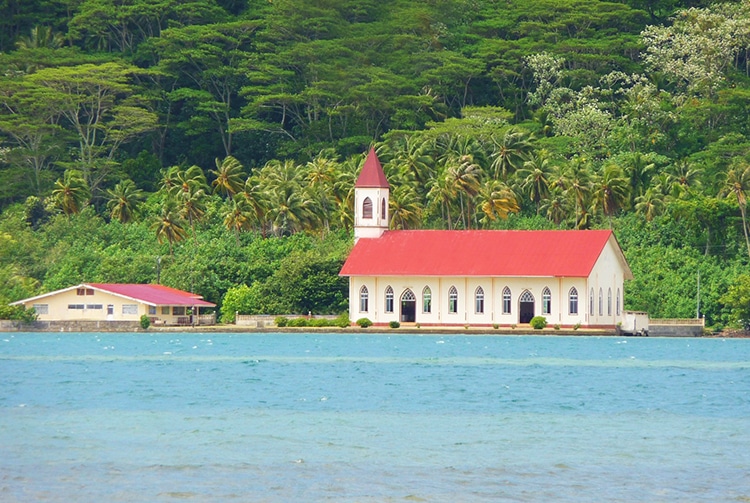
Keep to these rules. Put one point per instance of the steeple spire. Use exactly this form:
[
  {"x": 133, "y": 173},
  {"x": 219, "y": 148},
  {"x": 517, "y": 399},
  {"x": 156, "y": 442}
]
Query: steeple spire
[{"x": 371, "y": 195}]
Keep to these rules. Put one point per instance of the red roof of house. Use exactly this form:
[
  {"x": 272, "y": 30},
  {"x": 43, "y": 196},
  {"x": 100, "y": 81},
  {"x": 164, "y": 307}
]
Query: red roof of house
[
  {"x": 372, "y": 175},
  {"x": 159, "y": 295},
  {"x": 480, "y": 253}
]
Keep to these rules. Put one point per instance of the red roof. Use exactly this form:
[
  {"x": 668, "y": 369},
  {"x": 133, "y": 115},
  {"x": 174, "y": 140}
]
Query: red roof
[
  {"x": 159, "y": 295},
  {"x": 372, "y": 175},
  {"x": 480, "y": 253}
]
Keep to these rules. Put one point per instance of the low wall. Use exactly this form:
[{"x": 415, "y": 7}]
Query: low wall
[
  {"x": 269, "y": 320},
  {"x": 676, "y": 327},
  {"x": 70, "y": 326}
]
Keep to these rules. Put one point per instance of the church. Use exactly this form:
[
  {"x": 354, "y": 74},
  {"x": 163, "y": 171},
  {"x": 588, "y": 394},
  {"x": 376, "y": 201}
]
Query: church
[{"x": 477, "y": 277}]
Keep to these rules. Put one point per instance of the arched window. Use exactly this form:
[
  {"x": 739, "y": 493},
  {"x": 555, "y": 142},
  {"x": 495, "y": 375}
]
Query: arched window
[
  {"x": 383, "y": 213},
  {"x": 526, "y": 296},
  {"x": 479, "y": 300},
  {"x": 618, "y": 302},
  {"x": 591, "y": 302},
  {"x": 601, "y": 303},
  {"x": 609, "y": 302},
  {"x": 546, "y": 301},
  {"x": 453, "y": 300},
  {"x": 389, "y": 299},
  {"x": 573, "y": 301},
  {"x": 364, "y": 296},
  {"x": 506, "y": 300},
  {"x": 367, "y": 208},
  {"x": 427, "y": 300}
]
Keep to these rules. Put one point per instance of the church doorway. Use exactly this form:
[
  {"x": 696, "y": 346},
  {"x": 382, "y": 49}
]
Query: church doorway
[
  {"x": 408, "y": 307},
  {"x": 526, "y": 307}
]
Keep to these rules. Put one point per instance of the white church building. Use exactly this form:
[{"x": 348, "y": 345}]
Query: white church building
[{"x": 478, "y": 277}]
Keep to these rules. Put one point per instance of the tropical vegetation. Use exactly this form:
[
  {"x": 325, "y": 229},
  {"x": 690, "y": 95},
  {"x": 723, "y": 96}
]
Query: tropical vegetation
[{"x": 213, "y": 145}]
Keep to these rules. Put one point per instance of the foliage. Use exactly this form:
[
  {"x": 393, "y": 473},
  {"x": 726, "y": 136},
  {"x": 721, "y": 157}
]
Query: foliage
[
  {"x": 737, "y": 301},
  {"x": 19, "y": 313},
  {"x": 394, "y": 324},
  {"x": 281, "y": 321},
  {"x": 145, "y": 322},
  {"x": 364, "y": 322},
  {"x": 538, "y": 322}
]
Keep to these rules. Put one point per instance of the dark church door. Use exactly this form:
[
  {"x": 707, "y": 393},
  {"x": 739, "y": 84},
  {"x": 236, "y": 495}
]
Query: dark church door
[
  {"x": 408, "y": 307},
  {"x": 526, "y": 307}
]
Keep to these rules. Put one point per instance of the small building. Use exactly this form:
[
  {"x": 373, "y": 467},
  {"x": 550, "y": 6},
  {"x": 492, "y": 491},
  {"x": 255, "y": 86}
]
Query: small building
[
  {"x": 117, "y": 302},
  {"x": 478, "y": 277}
]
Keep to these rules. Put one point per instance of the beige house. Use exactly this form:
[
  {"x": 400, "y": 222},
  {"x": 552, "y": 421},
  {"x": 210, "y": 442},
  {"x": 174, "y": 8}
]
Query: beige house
[
  {"x": 483, "y": 278},
  {"x": 117, "y": 302}
]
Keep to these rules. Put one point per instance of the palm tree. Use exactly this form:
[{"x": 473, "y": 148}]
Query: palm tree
[
  {"x": 496, "y": 200},
  {"x": 465, "y": 175},
  {"x": 610, "y": 191},
  {"x": 169, "y": 225},
  {"x": 239, "y": 216},
  {"x": 442, "y": 192},
  {"x": 510, "y": 152},
  {"x": 557, "y": 206},
  {"x": 71, "y": 193},
  {"x": 257, "y": 199},
  {"x": 123, "y": 201},
  {"x": 535, "y": 177},
  {"x": 229, "y": 177},
  {"x": 684, "y": 176},
  {"x": 650, "y": 205},
  {"x": 188, "y": 189},
  {"x": 405, "y": 208},
  {"x": 639, "y": 171},
  {"x": 578, "y": 187},
  {"x": 738, "y": 185},
  {"x": 41, "y": 36}
]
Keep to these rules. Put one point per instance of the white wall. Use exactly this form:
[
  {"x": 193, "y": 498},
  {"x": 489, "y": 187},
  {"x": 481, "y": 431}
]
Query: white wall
[{"x": 493, "y": 298}]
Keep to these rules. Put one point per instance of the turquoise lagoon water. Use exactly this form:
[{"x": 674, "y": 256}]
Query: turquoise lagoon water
[{"x": 372, "y": 418}]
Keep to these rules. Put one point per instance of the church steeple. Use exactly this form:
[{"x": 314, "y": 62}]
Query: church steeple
[{"x": 371, "y": 193}]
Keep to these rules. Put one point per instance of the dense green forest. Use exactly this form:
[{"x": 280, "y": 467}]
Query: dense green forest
[{"x": 212, "y": 145}]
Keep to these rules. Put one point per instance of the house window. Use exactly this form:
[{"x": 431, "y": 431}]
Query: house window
[
  {"x": 164, "y": 309},
  {"x": 75, "y": 306},
  {"x": 178, "y": 310},
  {"x": 453, "y": 300},
  {"x": 546, "y": 301},
  {"x": 84, "y": 291},
  {"x": 573, "y": 301},
  {"x": 389, "y": 300},
  {"x": 427, "y": 300},
  {"x": 41, "y": 308},
  {"x": 130, "y": 309},
  {"x": 364, "y": 296},
  {"x": 367, "y": 208},
  {"x": 609, "y": 302},
  {"x": 601, "y": 303},
  {"x": 479, "y": 300},
  {"x": 506, "y": 300},
  {"x": 591, "y": 302},
  {"x": 151, "y": 309},
  {"x": 618, "y": 302},
  {"x": 96, "y": 307}
]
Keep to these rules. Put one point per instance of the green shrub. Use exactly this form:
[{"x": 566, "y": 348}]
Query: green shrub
[
  {"x": 577, "y": 326},
  {"x": 342, "y": 321},
  {"x": 297, "y": 322},
  {"x": 557, "y": 326},
  {"x": 319, "y": 322},
  {"x": 364, "y": 322},
  {"x": 19, "y": 313},
  {"x": 394, "y": 324},
  {"x": 495, "y": 326},
  {"x": 281, "y": 321},
  {"x": 145, "y": 322},
  {"x": 538, "y": 322}
]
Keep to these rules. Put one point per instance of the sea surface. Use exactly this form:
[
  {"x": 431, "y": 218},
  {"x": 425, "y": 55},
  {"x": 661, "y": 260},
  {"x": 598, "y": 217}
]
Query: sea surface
[{"x": 163, "y": 417}]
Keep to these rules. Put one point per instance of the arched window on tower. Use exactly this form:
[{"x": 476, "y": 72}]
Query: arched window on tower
[
  {"x": 367, "y": 208},
  {"x": 383, "y": 213}
]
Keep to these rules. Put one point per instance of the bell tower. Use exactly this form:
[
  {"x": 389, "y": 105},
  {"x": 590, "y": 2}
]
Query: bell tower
[{"x": 371, "y": 193}]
